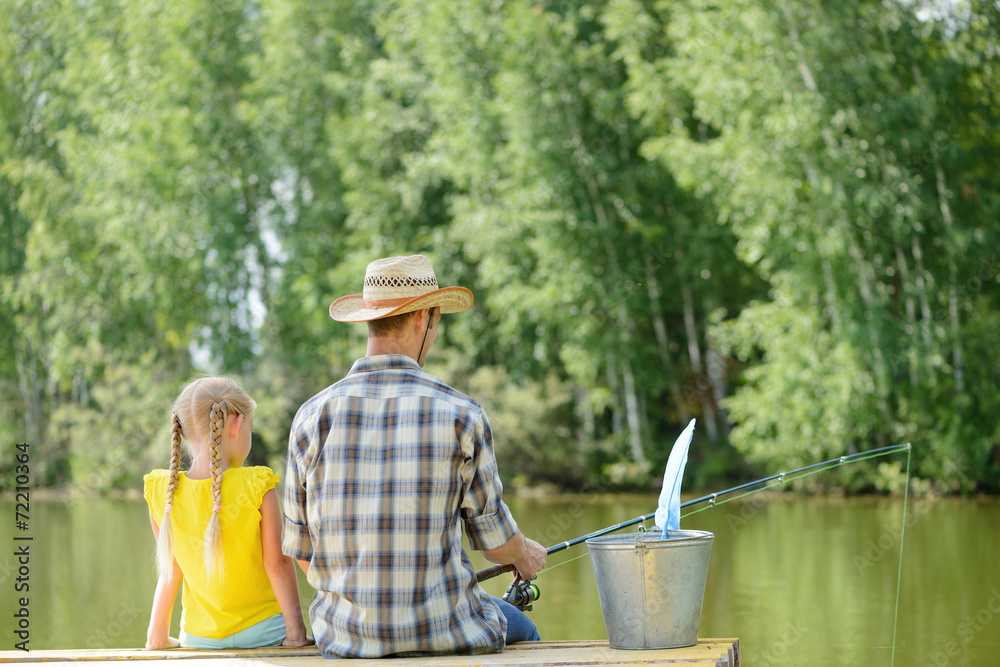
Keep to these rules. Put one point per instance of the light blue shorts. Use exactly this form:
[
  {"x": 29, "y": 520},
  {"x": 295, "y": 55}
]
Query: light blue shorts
[{"x": 269, "y": 632}]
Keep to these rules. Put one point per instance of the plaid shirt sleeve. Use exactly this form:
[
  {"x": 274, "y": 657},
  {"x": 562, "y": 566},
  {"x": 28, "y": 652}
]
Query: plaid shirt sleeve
[
  {"x": 295, "y": 539},
  {"x": 488, "y": 522}
]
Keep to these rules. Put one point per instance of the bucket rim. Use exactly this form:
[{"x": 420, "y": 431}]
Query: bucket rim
[{"x": 679, "y": 537}]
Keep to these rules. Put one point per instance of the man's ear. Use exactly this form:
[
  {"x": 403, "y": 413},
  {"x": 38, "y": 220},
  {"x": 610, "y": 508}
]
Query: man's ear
[{"x": 420, "y": 319}]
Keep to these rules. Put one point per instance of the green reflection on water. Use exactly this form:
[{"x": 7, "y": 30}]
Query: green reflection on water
[{"x": 799, "y": 581}]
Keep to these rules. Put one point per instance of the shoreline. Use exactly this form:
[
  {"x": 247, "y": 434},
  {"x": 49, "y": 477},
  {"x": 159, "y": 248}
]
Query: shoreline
[{"x": 71, "y": 495}]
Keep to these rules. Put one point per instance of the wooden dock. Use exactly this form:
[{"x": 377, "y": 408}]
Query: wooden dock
[{"x": 707, "y": 653}]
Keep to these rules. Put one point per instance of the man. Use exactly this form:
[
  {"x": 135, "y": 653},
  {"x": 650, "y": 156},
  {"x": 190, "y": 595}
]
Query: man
[{"x": 385, "y": 467}]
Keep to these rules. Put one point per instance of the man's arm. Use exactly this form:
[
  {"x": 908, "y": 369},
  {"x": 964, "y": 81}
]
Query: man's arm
[
  {"x": 296, "y": 541},
  {"x": 487, "y": 518}
]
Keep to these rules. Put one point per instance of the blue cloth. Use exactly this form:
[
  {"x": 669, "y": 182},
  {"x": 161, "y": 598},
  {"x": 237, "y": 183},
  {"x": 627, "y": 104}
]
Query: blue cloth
[
  {"x": 668, "y": 514},
  {"x": 269, "y": 632},
  {"x": 520, "y": 628}
]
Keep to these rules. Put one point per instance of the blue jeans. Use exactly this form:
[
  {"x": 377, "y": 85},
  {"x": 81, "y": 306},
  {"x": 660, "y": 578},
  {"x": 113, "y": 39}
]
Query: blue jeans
[
  {"x": 520, "y": 628},
  {"x": 269, "y": 632}
]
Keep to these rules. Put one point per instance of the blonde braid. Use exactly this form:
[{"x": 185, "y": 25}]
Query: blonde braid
[
  {"x": 164, "y": 544},
  {"x": 213, "y": 534}
]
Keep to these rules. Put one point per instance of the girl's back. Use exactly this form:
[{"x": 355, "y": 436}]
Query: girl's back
[
  {"x": 218, "y": 529},
  {"x": 213, "y": 607}
]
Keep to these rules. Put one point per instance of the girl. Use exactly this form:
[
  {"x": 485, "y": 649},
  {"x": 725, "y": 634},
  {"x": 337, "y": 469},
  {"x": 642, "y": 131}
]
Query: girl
[{"x": 218, "y": 528}]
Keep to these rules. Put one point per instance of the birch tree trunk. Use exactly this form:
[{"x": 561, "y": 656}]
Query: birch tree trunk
[
  {"x": 702, "y": 389},
  {"x": 30, "y": 387},
  {"x": 632, "y": 413},
  {"x": 926, "y": 314},
  {"x": 663, "y": 341},
  {"x": 717, "y": 378},
  {"x": 913, "y": 356},
  {"x": 958, "y": 372}
]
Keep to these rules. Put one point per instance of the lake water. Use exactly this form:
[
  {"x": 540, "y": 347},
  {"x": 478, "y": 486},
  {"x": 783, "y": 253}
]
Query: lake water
[{"x": 798, "y": 580}]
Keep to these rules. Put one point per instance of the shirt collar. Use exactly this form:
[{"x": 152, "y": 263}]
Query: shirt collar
[{"x": 384, "y": 362}]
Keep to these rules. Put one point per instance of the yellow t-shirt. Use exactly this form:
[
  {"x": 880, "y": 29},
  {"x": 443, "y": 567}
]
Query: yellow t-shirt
[{"x": 244, "y": 597}]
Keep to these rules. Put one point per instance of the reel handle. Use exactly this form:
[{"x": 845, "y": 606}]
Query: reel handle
[{"x": 494, "y": 571}]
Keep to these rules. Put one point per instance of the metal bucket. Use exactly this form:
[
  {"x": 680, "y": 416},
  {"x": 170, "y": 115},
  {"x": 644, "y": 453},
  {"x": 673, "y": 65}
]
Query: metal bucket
[{"x": 651, "y": 589}]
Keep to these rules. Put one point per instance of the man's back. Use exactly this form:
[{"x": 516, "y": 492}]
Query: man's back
[{"x": 384, "y": 468}]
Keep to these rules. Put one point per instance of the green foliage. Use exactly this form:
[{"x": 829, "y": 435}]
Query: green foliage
[
  {"x": 809, "y": 379},
  {"x": 121, "y": 433},
  {"x": 532, "y": 424},
  {"x": 778, "y": 218}
]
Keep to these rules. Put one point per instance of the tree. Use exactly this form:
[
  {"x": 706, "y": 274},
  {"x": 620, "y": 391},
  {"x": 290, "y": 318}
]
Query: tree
[{"x": 818, "y": 139}]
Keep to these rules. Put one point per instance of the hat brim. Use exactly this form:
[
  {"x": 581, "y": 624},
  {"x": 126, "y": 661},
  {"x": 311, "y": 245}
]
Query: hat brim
[{"x": 448, "y": 299}]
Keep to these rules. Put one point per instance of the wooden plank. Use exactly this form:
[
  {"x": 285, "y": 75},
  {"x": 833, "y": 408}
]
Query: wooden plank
[{"x": 714, "y": 652}]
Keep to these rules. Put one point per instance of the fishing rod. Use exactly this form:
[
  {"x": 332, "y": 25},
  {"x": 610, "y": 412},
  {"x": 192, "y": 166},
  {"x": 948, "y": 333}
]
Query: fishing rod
[{"x": 522, "y": 593}]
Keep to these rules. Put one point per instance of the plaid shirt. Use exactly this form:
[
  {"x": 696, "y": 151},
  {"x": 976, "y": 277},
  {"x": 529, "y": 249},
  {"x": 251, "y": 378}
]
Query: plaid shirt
[{"x": 384, "y": 468}]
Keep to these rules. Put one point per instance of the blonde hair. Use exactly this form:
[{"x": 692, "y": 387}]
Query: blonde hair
[{"x": 199, "y": 416}]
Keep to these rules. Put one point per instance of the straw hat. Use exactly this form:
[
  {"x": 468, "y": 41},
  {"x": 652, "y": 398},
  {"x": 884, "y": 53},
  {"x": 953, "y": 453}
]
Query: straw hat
[{"x": 397, "y": 285}]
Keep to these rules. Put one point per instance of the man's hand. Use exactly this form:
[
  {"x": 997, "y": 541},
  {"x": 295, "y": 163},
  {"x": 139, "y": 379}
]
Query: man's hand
[
  {"x": 533, "y": 560},
  {"x": 527, "y": 556}
]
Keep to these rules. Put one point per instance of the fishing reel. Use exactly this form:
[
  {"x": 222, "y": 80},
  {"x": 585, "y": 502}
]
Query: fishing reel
[{"x": 522, "y": 593}]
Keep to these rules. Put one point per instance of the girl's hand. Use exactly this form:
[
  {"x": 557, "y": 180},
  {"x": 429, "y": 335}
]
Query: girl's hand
[
  {"x": 305, "y": 641},
  {"x": 170, "y": 642}
]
